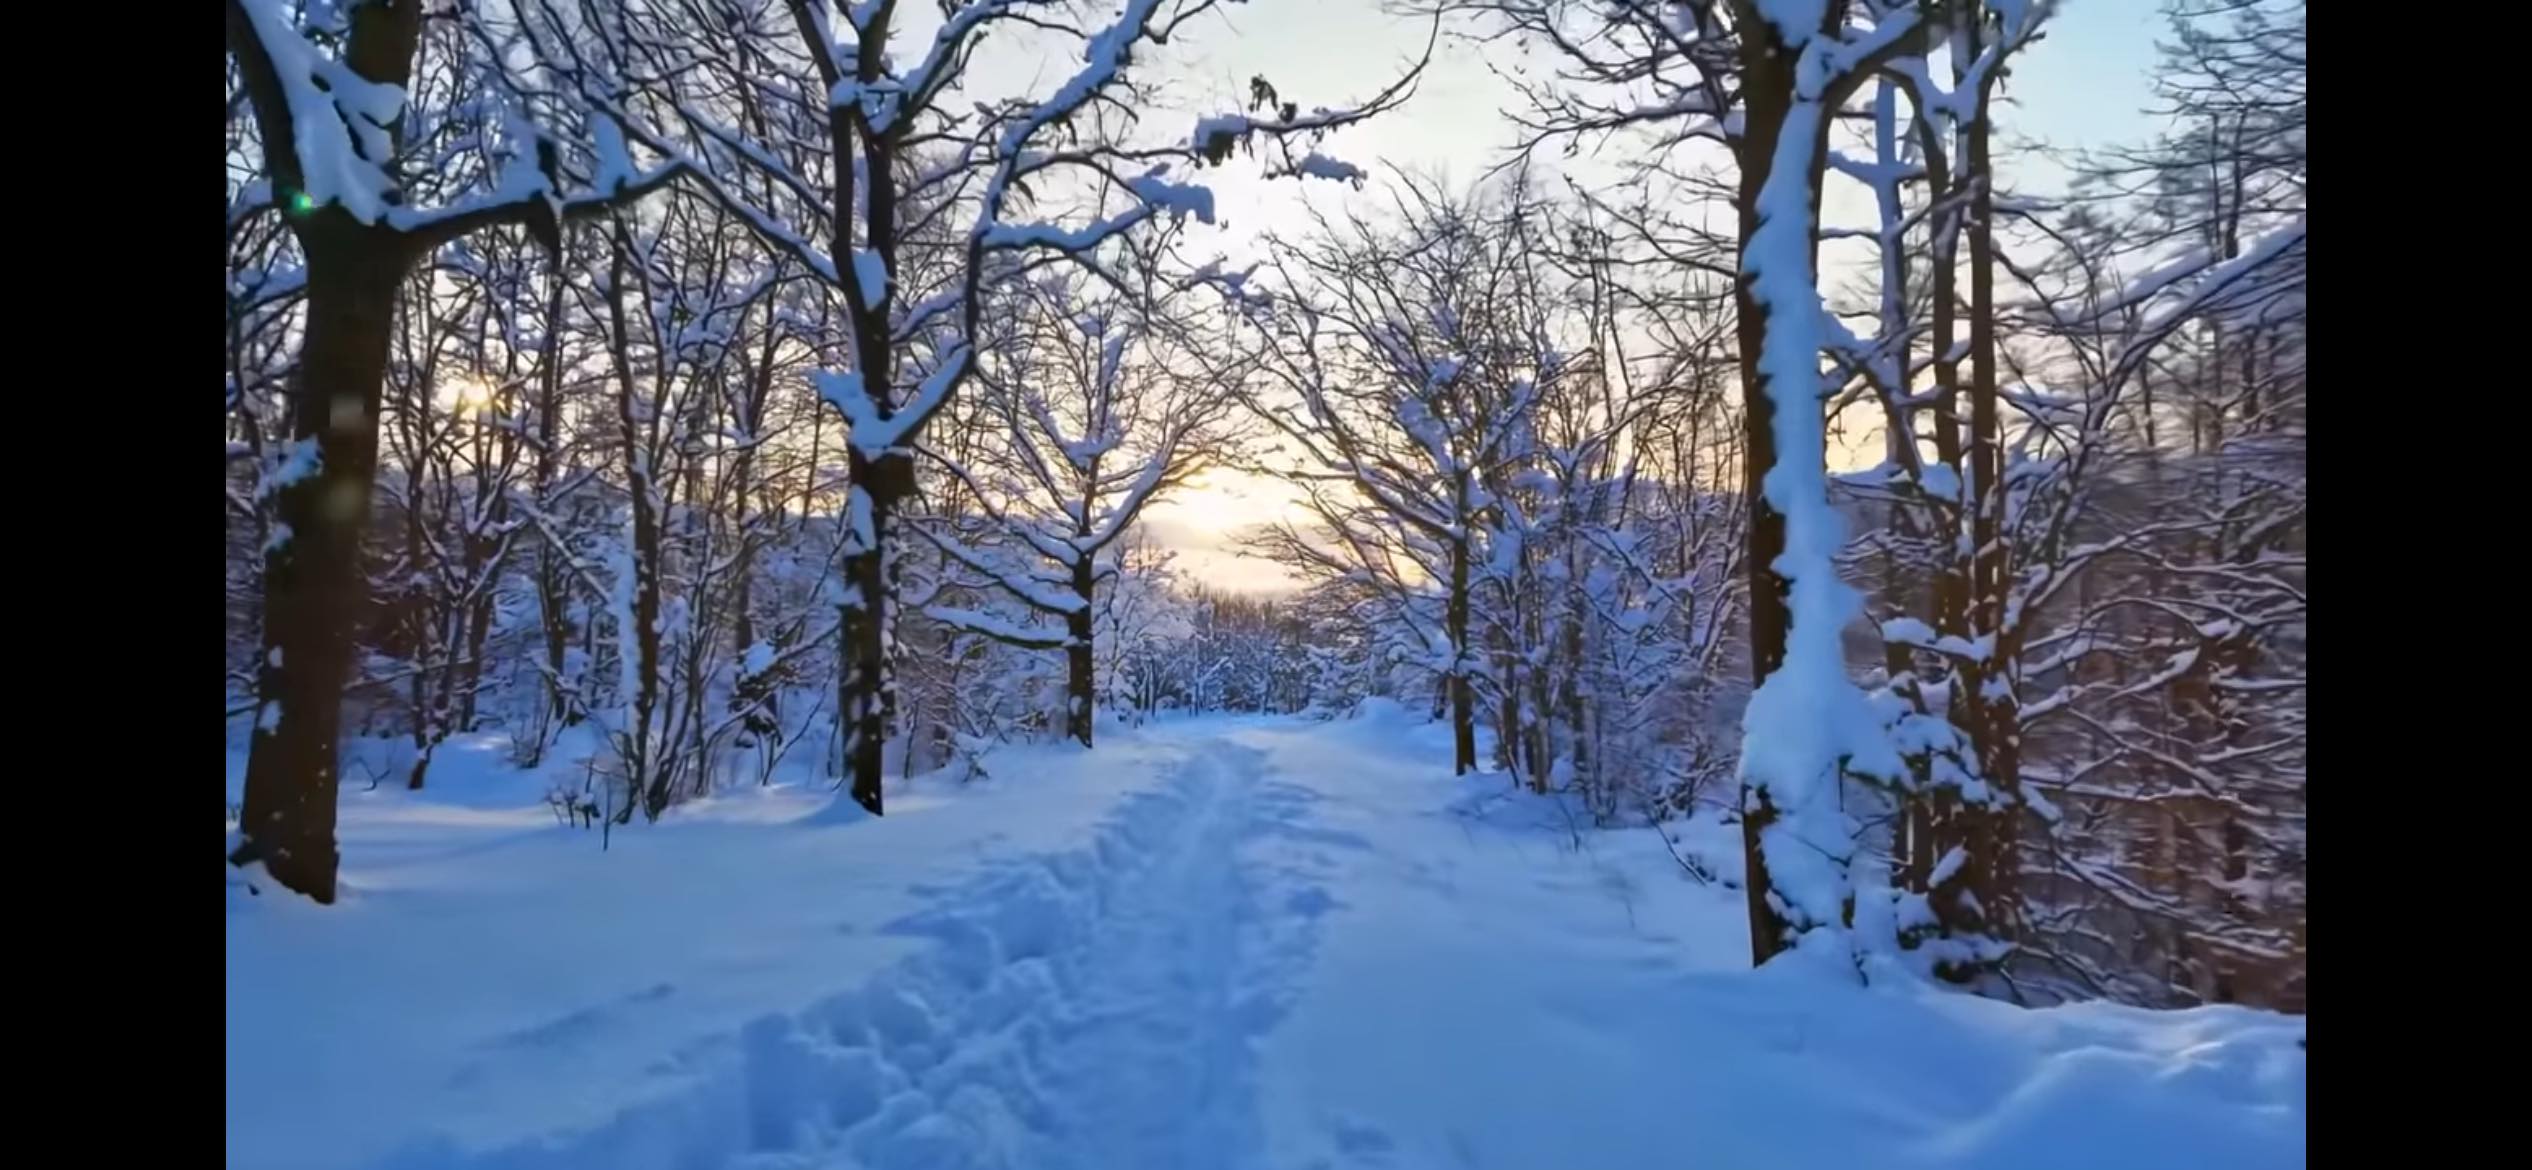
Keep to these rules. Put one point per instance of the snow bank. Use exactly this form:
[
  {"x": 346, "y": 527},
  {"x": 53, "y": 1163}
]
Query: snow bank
[
  {"x": 1503, "y": 987},
  {"x": 1380, "y": 711},
  {"x": 493, "y": 990}
]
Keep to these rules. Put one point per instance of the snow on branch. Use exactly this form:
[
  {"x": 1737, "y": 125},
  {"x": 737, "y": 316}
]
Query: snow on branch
[
  {"x": 334, "y": 141},
  {"x": 338, "y": 124},
  {"x": 877, "y": 431},
  {"x": 1808, "y": 723},
  {"x": 1012, "y": 580},
  {"x": 1009, "y": 633}
]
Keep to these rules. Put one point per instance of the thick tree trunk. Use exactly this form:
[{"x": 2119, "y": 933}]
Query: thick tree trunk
[
  {"x": 865, "y": 693},
  {"x": 1767, "y": 92},
  {"x": 866, "y": 696},
  {"x": 313, "y": 588},
  {"x": 1992, "y": 705},
  {"x": 1768, "y": 101},
  {"x": 1080, "y": 681}
]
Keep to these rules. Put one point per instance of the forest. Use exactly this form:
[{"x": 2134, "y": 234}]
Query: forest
[{"x": 678, "y": 398}]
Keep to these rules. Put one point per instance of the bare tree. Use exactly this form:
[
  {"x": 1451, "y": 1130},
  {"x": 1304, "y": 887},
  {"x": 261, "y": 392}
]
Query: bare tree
[
  {"x": 2029, "y": 546},
  {"x": 847, "y": 157},
  {"x": 354, "y": 149},
  {"x": 1955, "y": 828},
  {"x": 2165, "y": 610},
  {"x": 1395, "y": 369},
  {"x": 1098, "y": 419},
  {"x": 457, "y": 464}
]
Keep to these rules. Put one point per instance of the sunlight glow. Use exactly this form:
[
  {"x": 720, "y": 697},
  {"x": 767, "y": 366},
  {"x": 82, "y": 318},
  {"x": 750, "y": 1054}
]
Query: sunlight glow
[{"x": 466, "y": 395}]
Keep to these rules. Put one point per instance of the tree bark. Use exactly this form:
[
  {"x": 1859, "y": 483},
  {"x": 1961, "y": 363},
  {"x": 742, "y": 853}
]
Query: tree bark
[
  {"x": 755, "y": 697},
  {"x": 1766, "y": 96},
  {"x": 553, "y": 597},
  {"x": 1081, "y": 680},
  {"x": 637, "y": 424},
  {"x": 1463, "y": 701},
  {"x": 313, "y": 589},
  {"x": 865, "y": 694},
  {"x": 1992, "y": 703},
  {"x": 1770, "y": 93}
]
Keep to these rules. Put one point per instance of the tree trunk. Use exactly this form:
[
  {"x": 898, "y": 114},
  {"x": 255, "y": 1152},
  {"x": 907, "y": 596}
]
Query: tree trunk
[
  {"x": 1080, "y": 682},
  {"x": 1569, "y": 699},
  {"x": 643, "y": 762},
  {"x": 414, "y": 603},
  {"x": 1767, "y": 93},
  {"x": 1508, "y": 731},
  {"x": 1541, "y": 732},
  {"x": 553, "y": 597},
  {"x": 639, "y": 647},
  {"x": 1992, "y": 703},
  {"x": 754, "y": 697},
  {"x": 312, "y": 580},
  {"x": 1463, "y": 702},
  {"x": 865, "y": 695},
  {"x": 421, "y": 764},
  {"x": 471, "y": 672}
]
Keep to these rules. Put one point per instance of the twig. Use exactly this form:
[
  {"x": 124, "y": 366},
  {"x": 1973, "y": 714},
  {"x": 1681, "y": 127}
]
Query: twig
[{"x": 1704, "y": 878}]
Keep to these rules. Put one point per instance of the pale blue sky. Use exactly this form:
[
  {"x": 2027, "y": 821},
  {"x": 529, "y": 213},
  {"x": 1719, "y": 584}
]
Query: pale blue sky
[
  {"x": 2087, "y": 83},
  {"x": 2084, "y": 85}
]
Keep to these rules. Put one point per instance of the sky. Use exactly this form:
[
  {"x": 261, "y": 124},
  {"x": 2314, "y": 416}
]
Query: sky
[{"x": 2084, "y": 85}]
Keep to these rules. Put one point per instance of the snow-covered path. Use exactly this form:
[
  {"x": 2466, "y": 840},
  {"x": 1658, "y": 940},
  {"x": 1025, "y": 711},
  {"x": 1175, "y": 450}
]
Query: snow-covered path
[
  {"x": 1087, "y": 1009},
  {"x": 1155, "y": 1061},
  {"x": 1209, "y": 945},
  {"x": 1064, "y": 967}
]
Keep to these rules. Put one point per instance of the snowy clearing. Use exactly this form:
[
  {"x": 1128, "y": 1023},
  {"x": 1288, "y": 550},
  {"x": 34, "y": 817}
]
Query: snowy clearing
[{"x": 1214, "y": 943}]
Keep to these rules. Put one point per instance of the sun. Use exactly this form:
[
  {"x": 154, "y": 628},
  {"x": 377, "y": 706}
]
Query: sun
[{"x": 466, "y": 395}]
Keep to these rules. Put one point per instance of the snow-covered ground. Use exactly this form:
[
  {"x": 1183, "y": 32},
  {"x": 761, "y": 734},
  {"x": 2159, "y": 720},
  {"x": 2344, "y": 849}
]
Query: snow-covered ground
[{"x": 1214, "y": 944}]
